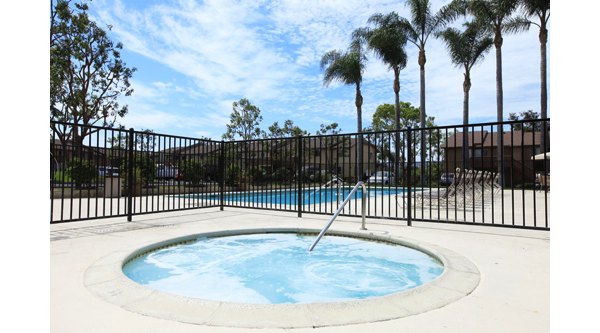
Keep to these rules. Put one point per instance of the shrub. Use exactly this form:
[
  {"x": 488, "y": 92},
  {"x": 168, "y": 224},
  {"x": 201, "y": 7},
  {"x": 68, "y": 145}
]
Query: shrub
[
  {"x": 232, "y": 172},
  {"x": 144, "y": 169},
  {"x": 193, "y": 171},
  {"x": 81, "y": 171},
  {"x": 147, "y": 169},
  {"x": 62, "y": 176},
  {"x": 282, "y": 174},
  {"x": 258, "y": 175}
]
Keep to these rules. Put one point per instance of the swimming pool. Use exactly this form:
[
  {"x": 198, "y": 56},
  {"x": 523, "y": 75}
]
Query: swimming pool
[
  {"x": 290, "y": 196},
  {"x": 276, "y": 268}
]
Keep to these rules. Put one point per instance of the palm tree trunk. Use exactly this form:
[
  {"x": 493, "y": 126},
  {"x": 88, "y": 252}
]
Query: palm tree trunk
[
  {"x": 358, "y": 102},
  {"x": 543, "y": 89},
  {"x": 466, "y": 89},
  {"x": 397, "y": 121},
  {"x": 422, "y": 60},
  {"x": 499, "y": 103}
]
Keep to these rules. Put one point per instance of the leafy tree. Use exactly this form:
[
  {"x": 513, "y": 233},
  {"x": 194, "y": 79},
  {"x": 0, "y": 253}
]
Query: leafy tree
[
  {"x": 332, "y": 145},
  {"x": 194, "y": 171},
  {"x": 383, "y": 144},
  {"x": 87, "y": 74},
  {"x": 232, "y": 173},
  {"x": 347, "y": 67},
  {"x": 387, "y": 40},
  {"x": 384, "y": 117},
  {"x": 288, "y": 130},
  {"x": 81, "y": 171},
  {"x": 244, "y": 121},
  {"x": 144, "y": 169},
  {"x": 144, "y": 140},
  {"x": 147, "y": 168},
  {"x": 281, "y": 150},
  {"x": 526, "y": 126},
  {"x": 384, "y": 120},
  {"x": 466, "y": 49},
  {"x": 330, "y": 129}
]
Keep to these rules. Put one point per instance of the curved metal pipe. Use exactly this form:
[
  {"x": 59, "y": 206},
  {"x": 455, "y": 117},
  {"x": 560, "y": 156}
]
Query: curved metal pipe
[{"x": 339, "y": 210}]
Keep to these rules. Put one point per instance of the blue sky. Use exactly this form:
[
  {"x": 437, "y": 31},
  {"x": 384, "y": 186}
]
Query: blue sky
[{"x": 194, "y": 58}]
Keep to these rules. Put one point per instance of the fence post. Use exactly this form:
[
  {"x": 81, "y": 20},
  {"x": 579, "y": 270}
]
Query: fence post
[
  {"x": 130, "y": 175},
  {"x": 409, "y": 177},
  {"x": 299, "y": 156},
  {"x": 222, "y": 171}
]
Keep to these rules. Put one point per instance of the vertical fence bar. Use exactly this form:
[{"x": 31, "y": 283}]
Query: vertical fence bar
[
  {"x": 222, "y": 176},
  {"x": 409, "y": 177},
  {"x": 512, "y": 174},
  {"x": 482, "y": 159},
  {"x": 534, "y": 177},
  {"x": 545, "y": 148},
  {"x": 53, "y": 171},
  {"x": 80, "y": 156},
  {"x": 62, "y": 176},
  {"x": 299, "y": 177},
  {"x": 130, "y": 175},
  {"x": 523, "y": 171},
  {"x": 144, "y": 156},
  {"x": 98, "y": 162}
]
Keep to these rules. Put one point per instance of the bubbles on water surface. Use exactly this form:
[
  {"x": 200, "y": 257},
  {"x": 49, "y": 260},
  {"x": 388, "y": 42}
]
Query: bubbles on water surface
[{"x": 277, "y": 268}]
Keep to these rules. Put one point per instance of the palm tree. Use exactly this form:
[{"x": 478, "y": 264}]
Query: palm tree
[
  {"x": 387, "y": 41},
  {"x": 495, "y": 17},
  {"x": 541, "y": 9},
  {"x": 421, "y": 25},
  {"x": 347, "y": 67},
  {"x": 466, "y": 49}
]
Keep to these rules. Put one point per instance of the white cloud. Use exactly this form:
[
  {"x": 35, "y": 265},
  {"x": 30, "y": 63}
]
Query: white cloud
[{"x": 269, "y": 52}]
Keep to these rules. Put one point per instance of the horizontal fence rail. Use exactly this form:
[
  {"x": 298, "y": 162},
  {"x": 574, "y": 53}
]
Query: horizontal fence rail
[{"x": 485, "y": 174}]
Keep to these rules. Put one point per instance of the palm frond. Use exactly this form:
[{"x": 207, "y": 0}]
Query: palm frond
[
  {"x": 516, "y": 25},
  {"x": 452, "y": 11},
  {"x": 423, "y": 23},
  {"x": 409, "y": 30},
  {"x": 466, "y": 47},
  {"x": 482, "y": 10},
  {"x": 345, "y": 67},
  {"x": 387, "y": 39},
  {"x": 419, "y": 11},
  {"x": 535, "y": 7}
]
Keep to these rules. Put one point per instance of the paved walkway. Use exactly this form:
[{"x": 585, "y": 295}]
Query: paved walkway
[{"x": 512, "y": 295}]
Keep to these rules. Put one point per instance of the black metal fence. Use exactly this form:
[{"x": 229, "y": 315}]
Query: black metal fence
[{"x": 489, "y": 174}]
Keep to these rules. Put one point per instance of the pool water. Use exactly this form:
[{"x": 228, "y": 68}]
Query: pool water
[
  {"x": 277, "y": 268},
  {"x": 290, "y": 197}
]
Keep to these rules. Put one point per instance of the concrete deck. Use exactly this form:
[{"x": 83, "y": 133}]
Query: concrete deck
[{"x": 512, "y": 294}]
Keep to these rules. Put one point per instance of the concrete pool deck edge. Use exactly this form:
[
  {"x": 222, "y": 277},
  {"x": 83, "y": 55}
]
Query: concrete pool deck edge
[{"x": 105, "y": 279}]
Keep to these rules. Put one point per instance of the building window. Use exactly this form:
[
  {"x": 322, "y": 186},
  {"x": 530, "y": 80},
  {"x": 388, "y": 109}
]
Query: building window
[{"x": 477, "y": 152}]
